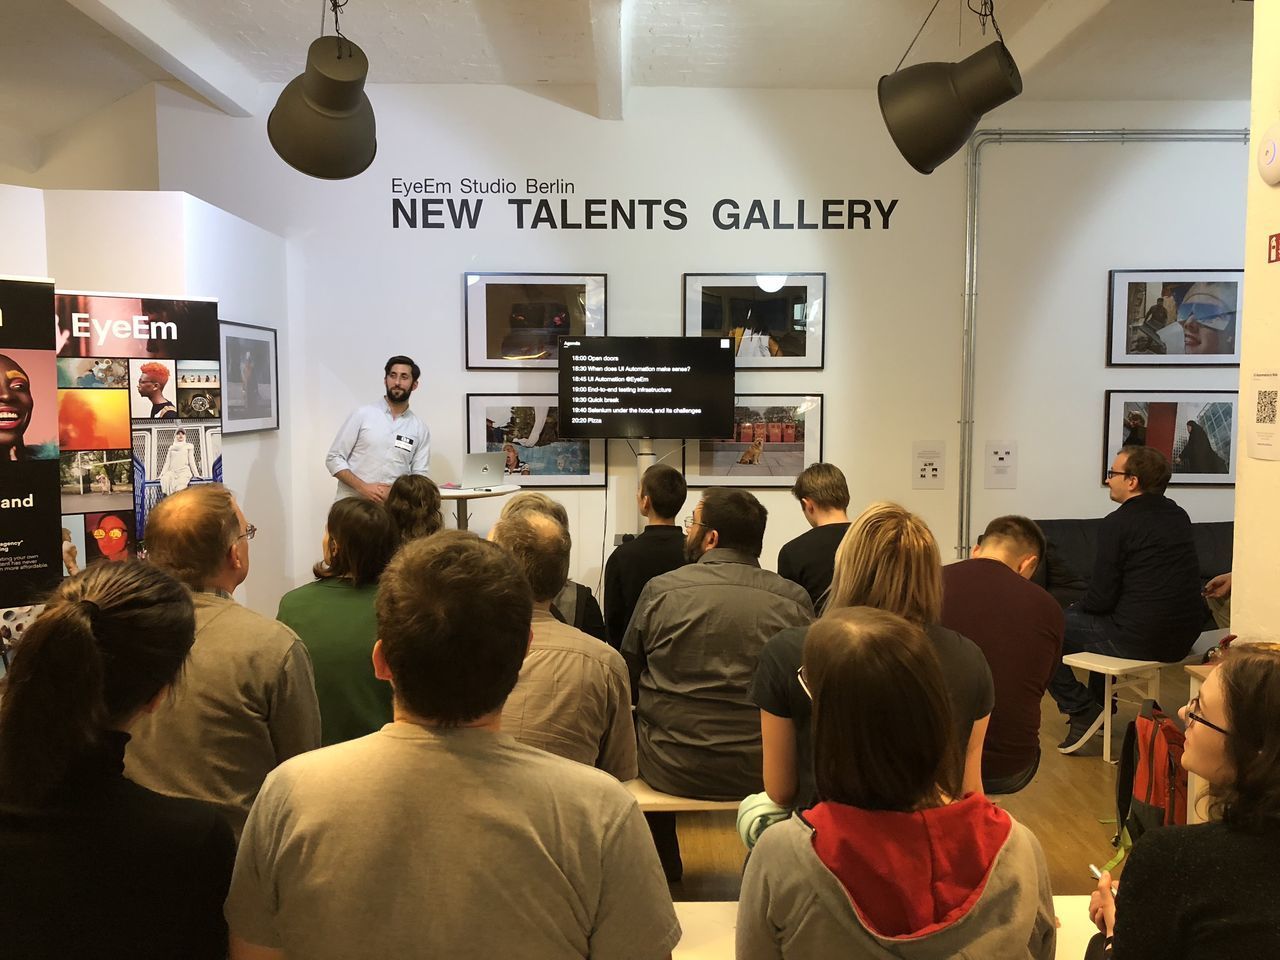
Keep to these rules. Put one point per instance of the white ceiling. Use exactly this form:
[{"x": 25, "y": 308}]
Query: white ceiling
[{"x": 58, "y": 64}]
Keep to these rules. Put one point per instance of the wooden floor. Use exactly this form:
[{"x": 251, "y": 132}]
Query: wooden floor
[{"x": 1069, "y": 806}]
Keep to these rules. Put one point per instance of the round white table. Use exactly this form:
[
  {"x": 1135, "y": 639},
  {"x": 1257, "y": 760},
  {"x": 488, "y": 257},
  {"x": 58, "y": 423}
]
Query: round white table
[{"x": 460, "y": 496}]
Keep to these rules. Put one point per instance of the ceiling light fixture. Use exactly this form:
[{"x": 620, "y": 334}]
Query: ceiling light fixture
[
  {"x": 323, "y": 122},
  {"x": 931, "y": 109}
]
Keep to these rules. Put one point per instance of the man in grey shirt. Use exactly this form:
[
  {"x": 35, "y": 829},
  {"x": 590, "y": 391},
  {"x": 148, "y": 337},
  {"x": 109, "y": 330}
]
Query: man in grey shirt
[
  {"x": 381, "y": 441},
  {"x": 440, "y": 835},
  {"x": 691, "y": 648},
  {"x": 247, "y": 698}
]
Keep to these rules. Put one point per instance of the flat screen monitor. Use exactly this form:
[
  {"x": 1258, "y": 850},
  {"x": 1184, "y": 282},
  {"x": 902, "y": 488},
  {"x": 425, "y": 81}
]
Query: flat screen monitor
[{"x": 665, "y": 388}]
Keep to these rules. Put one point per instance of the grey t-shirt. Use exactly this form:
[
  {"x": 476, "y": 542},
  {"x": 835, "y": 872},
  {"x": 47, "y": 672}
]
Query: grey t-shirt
[{"x": 417, "y": 842}]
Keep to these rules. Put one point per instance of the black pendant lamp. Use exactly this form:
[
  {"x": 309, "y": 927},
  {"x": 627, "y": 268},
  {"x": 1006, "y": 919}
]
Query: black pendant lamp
[
  {"x": 931, "y": 109},
  {"x": 323, "y": 122}
]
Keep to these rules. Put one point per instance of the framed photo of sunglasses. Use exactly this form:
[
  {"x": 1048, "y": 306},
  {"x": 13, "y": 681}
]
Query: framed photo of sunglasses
[
  {"x": 1194, "y": 429},
  {"x": 1180, "y": 318}
]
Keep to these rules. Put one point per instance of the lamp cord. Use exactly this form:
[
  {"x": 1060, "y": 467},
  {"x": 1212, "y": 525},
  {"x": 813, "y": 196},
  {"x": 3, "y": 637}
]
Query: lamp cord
[
  {"x": 985, "y": 9},
  {"x": 336, "y": 6}
]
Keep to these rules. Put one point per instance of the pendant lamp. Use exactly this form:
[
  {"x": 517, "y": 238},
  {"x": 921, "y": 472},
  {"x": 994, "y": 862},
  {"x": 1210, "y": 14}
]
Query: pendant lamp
[
  {"x": 323, "y": 122},
  {"x": 931, "y": 109}
]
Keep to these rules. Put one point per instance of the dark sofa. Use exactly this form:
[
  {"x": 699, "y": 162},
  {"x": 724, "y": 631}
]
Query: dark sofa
[{"x": 1073, "y": 545}]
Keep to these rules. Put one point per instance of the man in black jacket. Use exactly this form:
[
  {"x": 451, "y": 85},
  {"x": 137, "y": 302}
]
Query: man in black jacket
[
  {"x": 1144, "y": 598},
  {"x": 657, "y": 550}
]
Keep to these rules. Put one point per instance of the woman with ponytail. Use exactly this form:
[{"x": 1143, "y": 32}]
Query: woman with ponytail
[{"x": 91, "y": 864}]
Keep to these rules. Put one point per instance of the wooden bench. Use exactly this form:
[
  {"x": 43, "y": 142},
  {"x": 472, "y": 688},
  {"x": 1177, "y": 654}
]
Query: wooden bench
[
  {"x": 655, "y": 801},
  {"x": 1142, "y": 676}
]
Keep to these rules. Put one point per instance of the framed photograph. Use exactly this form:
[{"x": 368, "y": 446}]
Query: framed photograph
[
  {"x": 1160, "y": 318},
  {"x": 514, "y": 320},
  {"x": 1195, "y": 429},
  {"x": 249, "y": 390},
  {"x": 775, "y": 436},
  {"x": 774, "y": 320},
  {"x": 524, "y": 427}
]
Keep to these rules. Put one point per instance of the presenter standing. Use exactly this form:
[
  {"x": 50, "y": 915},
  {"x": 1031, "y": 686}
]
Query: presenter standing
[{"x": 381, "y": 441}]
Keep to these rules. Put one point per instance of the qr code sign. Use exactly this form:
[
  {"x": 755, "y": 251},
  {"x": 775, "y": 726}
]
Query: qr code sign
[{"x": 1267, "y": 406}]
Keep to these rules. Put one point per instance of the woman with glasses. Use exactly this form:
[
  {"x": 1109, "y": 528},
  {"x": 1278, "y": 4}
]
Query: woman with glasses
[
  {"x": 888, "y": 559},
  {"x": 334, "y": 618},
  {"x": 1210, "y": 890},
  {"x": 91, "y": 863},
  {"x": 892, "y": 861}
]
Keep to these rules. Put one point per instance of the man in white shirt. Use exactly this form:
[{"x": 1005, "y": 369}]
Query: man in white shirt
[{"x": 381, "y": 441}]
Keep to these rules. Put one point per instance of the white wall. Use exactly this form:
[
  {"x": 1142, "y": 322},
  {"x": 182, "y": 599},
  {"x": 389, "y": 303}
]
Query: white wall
[
  {"x": 1255, "y": 604},
  {"x": 170, "y": 244},
  {"x": 113, "y": 149},
  {"x": 1053, "y": 223},
  {"x": 22, "y": 241}
]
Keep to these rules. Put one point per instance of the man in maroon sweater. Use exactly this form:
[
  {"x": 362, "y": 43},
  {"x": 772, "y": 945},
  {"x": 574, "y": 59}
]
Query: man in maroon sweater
[{"x": 1019, "y": 627}]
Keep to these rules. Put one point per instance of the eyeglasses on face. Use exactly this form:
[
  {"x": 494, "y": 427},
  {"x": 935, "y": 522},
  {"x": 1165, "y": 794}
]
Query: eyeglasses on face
[
  {"x": 1194, "y": 716},
  {"x": 1118, "y": 473},
  {"x": 250, "y": 531},
  {"x": 690, "y": 523},
  {"x": 104, "y": 534}
]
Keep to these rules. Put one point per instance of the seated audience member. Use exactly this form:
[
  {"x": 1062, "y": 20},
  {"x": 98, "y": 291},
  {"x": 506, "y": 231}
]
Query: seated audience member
[
  {"x": 1018, "y": 626},
  {"x": 572, "y": 698},
  {"x": 334, "y": 618},
  {"x": 1144, "y": 598},
  {"x": 692, "y": 647},
  {"x": 247, "y": 701},
  {"x": 892, "y": 862},
  {"x": 810, "y": 557},
  {"x": 440, "y": 835},
  {"x": 91, "y": 863},
  {"x": 657, "y": 550},
  {"x": 575, "y": 605},
  {"x": 889, "y": 560},
  {"x": 414, "y": 505},
  {"x": 1209, "y": 890}
]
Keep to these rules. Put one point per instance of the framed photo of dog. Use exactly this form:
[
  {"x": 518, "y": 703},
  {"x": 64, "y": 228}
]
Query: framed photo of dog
[
  {"x": 1174, "y": 318},
  {"x": 775, "y": 436},
  {"x": 774, "y": 320},
  {"x": 1194, "y": 429}
]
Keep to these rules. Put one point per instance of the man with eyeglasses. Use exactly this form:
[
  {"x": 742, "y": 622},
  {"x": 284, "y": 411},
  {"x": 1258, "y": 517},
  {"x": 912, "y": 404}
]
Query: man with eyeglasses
[
  {"x": 247, "y": 700},
  {"x": 692, "y": 647},
  {"x": 1144, "y": 599}
]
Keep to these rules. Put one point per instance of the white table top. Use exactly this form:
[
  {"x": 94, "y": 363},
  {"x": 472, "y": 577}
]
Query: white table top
[
  {"x": 708, "y": 929},
  {"x": 477, "y": 493}
]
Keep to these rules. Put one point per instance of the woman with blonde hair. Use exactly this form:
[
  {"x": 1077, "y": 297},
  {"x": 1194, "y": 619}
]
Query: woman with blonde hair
[
  {"x": 1209, "y": 890},
  {"x": 892, "y": 861},
  {"x": 889, "y": 560}
]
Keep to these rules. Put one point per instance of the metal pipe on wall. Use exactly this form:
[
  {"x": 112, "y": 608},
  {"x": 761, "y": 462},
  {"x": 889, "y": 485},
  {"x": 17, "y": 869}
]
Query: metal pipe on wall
[{"x": 977, "y": 142}]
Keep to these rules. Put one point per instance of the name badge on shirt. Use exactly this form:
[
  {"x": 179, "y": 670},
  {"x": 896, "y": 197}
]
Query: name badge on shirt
[{"x": 404, "y": 443}]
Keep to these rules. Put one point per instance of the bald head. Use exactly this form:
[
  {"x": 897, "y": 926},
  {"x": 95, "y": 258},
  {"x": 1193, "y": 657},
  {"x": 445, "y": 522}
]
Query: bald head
[
  {"x": 541, "y": 548},
  {"x": 193, "y": 535}
]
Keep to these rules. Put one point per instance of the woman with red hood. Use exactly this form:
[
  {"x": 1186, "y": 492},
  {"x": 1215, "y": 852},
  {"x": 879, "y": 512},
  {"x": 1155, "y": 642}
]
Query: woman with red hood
[{"x": 893, "y": 861}]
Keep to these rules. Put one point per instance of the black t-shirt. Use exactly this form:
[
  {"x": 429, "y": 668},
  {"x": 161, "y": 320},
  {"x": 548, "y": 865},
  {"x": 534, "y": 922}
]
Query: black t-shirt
[
  {"x": 810, "y": 558},
  {"x": 1207, "y": 890},
  {"x": 1018, "y": 626},
  {"x": 777, "y": 690},
  {"x": 111, "y": 870},
  {"x": 657, "y": 550}
]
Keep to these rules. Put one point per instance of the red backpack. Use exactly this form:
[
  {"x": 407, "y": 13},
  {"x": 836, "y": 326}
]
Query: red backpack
[{"x": 1151, "y": 788}]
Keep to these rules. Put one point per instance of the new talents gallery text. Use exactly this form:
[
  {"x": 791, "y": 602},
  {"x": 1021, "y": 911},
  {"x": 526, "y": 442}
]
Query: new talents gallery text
[{"x": 430, "y": 205}]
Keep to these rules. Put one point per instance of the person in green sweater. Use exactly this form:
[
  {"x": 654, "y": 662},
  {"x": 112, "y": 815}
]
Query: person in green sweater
[{"x": 334, "y": 618}]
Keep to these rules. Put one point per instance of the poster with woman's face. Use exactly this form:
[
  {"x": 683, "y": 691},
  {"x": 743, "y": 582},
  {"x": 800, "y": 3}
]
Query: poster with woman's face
[{"x": 28, "y": 405}]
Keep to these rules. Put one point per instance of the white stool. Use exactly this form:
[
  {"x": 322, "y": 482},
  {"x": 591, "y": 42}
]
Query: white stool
[
  {"x": 655, "y": 801},
  {"x": 1118, "y": 674}
]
